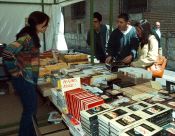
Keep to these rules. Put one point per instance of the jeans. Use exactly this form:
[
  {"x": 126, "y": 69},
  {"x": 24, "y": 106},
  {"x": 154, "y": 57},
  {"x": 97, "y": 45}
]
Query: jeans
[{"x": 28, "y": 96}]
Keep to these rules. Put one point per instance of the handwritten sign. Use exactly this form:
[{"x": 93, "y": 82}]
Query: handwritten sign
[{"x": 69, "y": 84}]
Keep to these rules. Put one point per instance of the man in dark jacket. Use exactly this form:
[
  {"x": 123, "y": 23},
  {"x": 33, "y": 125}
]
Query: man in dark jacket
[
  {"x": 123, "y": 41},
  {"x": 100, "y": 37}
]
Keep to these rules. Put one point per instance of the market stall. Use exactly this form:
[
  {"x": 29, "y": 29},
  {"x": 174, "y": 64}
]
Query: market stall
[{"x": 96, "y": 101}]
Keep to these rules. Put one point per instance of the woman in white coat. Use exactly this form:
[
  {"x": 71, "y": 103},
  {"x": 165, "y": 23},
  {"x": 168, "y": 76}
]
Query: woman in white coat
[{"x": 148, "y": 49}]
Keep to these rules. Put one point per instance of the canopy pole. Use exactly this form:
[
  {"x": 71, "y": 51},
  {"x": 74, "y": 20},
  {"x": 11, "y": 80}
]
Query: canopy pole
[
  {"x": 92, "y": 31},
  {"x": 44, "y": 36},
  {"x": 111, "y": 16}
]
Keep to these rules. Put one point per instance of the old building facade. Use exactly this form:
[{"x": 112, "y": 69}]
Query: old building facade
[{"x": 77, "y": 18}]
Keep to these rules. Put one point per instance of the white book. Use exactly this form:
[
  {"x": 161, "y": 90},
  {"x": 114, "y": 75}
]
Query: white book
[
  {"x": 153, "y": 110},
  {"x": 143, "y": 128},
  {"x": 106, "y": 117},
  {"x": 90, "y": 113},
  {"x": 138, "y": 106},
  {"x": 120, "y": 124}
]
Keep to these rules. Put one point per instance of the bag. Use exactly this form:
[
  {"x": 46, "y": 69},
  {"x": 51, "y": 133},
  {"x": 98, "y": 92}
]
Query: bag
[{"x": 158, "y": 67}]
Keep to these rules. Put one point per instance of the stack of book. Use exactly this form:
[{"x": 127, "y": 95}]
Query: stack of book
[
  {"x": 136, "y": 72},
  {"x": 158, "y": 114},
  {"x": 128, "y": 120},
  {"x": 138, "y": 106},
  {"x": 144, "y": 128},
  {"x": 169, "y": 129},
  {"x": 74, "y": 125},
  {"x": 105, "y": 118},
  {"x": 89, "y": 119},
  {"x": 58, "y": 99},
  {"x": 79, "y": 99}
]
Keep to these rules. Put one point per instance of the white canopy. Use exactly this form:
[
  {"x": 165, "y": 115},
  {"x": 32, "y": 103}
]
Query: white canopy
[{"x": 14, "y": 12}]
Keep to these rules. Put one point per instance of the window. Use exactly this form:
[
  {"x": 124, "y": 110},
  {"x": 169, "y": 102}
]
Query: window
[
  {"x": 78, "y": 10},
  {"x": 79, "y": 28},
  {"x": 133, "y": 6}
]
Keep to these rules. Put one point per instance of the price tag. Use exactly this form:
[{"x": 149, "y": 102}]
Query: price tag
[{"x": 69, "y": 84}]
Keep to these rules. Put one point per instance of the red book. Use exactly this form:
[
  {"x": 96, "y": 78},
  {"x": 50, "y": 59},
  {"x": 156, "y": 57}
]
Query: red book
[
  {"x": 92, "y": 102},
  {"x": 69, "y": 94},
  {"x": 78, "y": 98}
]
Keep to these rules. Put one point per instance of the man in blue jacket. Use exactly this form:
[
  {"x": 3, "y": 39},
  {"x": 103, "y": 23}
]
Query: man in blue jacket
[
  {"x": 123, "y": 41},
  {"x": 101, "y": 34}
]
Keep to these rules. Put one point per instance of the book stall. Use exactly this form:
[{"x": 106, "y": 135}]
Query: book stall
[{"x": 97, "y": 102}]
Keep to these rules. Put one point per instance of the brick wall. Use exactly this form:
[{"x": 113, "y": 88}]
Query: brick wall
[
  {"x": 167, "y": 20},
  {"x": 161, "y": 5},
  {"x": 101, "y": 6},
  {"x": 163, "y": 11},
  {"x": 158, "y": 10}
]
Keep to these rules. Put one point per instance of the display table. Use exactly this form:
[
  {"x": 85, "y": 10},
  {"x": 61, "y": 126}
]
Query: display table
[{"x": 157, "y": 114}]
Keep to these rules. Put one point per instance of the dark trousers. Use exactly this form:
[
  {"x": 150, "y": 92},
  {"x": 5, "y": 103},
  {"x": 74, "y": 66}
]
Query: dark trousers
[{"x": 28, "y": 96}]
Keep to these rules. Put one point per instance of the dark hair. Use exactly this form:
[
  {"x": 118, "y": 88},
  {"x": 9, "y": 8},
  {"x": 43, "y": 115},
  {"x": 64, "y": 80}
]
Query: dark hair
[
  {"x": 145, "y": 26},
  {"x": 125, "y": 16},
  {"x": 35, "y": 18},
  {"x": 98, "y": 16}
]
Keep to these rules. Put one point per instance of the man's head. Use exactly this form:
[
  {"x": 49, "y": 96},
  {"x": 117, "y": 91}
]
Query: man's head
[
  {"x": 97, "y": 21},
  {"x": 157, "y": 25},
  {"x": 123, "y": 21}
]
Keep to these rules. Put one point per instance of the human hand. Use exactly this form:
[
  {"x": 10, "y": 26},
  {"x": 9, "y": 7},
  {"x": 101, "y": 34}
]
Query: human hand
[
  {"x": 127, "y": 59},
  {"x": 108, "y": 59},
  {"x": 17, "y": 74},
  {"x": 132, "y": 64}
]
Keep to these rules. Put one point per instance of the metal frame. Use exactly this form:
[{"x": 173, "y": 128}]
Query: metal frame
[
  {"x": 111, "y": 15},
  {"x": 29, "y": 3},
  {"x": 91, "y": 30}
]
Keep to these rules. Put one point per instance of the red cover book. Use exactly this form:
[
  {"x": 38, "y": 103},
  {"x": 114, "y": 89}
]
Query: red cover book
[
  {"x": 82, "y": 97},
  {"x": 78, "y": 99},
  {"x": 94, "y": 101},
  {"x": 69, "y": 94},
  {"x": 90, "y": 103}
]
